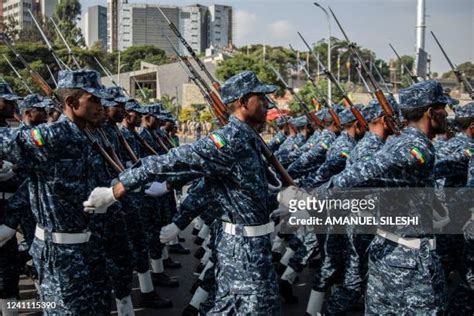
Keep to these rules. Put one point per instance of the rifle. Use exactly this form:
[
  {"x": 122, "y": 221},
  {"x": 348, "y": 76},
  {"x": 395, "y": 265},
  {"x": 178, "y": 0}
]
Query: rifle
[
  {"x": 364, "y": 82},
  {"x": 330, "y": 76},
  {"x": 109, "y": 148},
  {"x": 460, "y": 76},
  {"x": 97, "y": 147},
  {"x": 222, "y": 110},
  {"x": 144, "y": 143},
  {"x": 17, "y": 73},
  {"x": 60, "y": 63},
  {"x": 52, "y": 75},
  {"x": 413, "y": 79},
  {"x": 392, "y": 122},
  {"x": 160, "y": 141},
  {"x": 201, "y": 65},
  {"x": 69, "y": 50},
  {"x": 315, "y": 121},
  {"x": 333, "y": 113},
  {"x": 377, "y": 71},
  {"x": 125, "y": 144}
]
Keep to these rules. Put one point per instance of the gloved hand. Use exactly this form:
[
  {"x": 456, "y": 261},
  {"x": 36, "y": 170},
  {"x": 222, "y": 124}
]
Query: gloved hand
[
  {"x": 6, "y": 171},
  {"x": 99, "y": 200},
  {"x": 274, "y": 184},
  {"x": 291, "y": 193},
  {"x": 279, "y": 212},
  {"x": 114, "y": 182},
  {"x": 157, "y": 189},
  {"x": 6, "y": 233},
  {"x": 169, "y": 232}
]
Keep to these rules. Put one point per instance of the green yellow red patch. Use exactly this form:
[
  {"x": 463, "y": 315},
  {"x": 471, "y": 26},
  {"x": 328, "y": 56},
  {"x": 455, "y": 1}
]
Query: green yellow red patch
[
  {"x": 37, "y": 137},
  {"x": 468, "y": 152},
  {"x": 218, "y": 140},
  {"x": 420, "y": 159}
]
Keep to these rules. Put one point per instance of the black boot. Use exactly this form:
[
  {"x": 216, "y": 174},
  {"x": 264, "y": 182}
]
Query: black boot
[
  {"x": 199, "y": 268},
  {"x": 171, "y": 264},
  {"x": 162, "y": 279},
  {"x": 190, "y": 310},
  {"x": 276, "y": 257},
  {"x": 153, "y": 300},
  {"x": 286, "y": 291},
  {"x": 178, "y": 249},
  {"x": 195, "y": 232},
  {"x": 198, "y": 241}
]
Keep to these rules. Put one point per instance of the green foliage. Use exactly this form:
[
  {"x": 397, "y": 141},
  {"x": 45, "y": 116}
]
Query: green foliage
[
  {"x": 205, "y": 116},
  {"x": 145, "y": 95},
  {"x": 131, "y": 57},
  {"x": 67, "y": 14},
  {"x": 467, "y": 68},
  {"x": 185, "y": 114},
  {"x": 169, "y": 103}
]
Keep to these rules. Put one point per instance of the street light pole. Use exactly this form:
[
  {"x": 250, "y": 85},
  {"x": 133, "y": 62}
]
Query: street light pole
[{"x": 329, "y": 49}]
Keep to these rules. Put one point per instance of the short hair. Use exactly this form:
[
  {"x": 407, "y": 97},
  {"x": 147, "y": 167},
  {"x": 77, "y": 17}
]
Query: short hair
[
  {"x": 414, "y": 114},
  {"x": 63, "y": 93}
]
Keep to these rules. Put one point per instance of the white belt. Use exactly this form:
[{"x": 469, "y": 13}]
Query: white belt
[
  {"x": 248, "y": 231},
  {"x": 63, "y": 238},
  {"x": 413, "y": 243}
]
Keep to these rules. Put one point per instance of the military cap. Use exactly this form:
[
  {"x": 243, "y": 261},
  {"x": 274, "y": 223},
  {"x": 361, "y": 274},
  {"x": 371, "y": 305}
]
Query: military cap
[
  {"x": 7, "y": 93},
  {"x": 338, "y": 108},
  {"x": 242, "y": 84},
  {"x": 85, "y": 79},
  {"x": 323, "y": 115},
  {"x": 280, "y": 121},
  {"x": 135, "y": 107},
  {"x": 424, "y": 93},
  {"x": 346, "y": 116},
  {"x": 33, "y": 101},
  {"x": 300, "y": 121},
  {"x": 108, "y": 103},
  {"x": 373, "y": 110},
  {"x": 464, "y": 111},
  {"x": 118, "y": 94}
]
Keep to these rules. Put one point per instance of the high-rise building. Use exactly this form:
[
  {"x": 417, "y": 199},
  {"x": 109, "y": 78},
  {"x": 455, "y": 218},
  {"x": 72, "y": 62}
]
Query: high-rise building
[
  {"x": 194, "y": 27},
  {"x": 47, "y": 7},
  {"x": 220, "y": 25},
  {"x": 18, "y": 10},
  {"x": 114, "y": 9},
  {"x": 95, "y": 26},
  {"x": 143, "y": 24}
]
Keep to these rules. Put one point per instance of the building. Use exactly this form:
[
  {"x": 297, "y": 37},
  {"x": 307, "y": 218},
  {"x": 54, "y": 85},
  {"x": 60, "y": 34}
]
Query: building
[
  {"x": 95, "y": 26},
  {"x": 47, "y": 7},
  {"x": 18, "y": 10},
  {"x": 193, "y": 24},
  {"x": 143, "y": 24},
  {"x": 114, "y": 8},
  {"x": 220, "y": 26}
]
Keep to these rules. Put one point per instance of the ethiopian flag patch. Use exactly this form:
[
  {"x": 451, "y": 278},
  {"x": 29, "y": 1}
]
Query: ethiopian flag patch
[
  {"x": 345, "y": 154},
  {"x": 324, "y": 146},
  {"x": 218, "y": 140},
  {"x": 37, "y": 137},
  {"x": 468, "y": 152},
  {"x": 415, "y": 152}
]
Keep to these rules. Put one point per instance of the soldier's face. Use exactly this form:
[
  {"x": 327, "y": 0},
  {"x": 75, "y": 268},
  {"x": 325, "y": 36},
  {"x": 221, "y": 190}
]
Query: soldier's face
[
  {"x": 38, "y": 116},
  {"x": 134, "y": 118},
  {"x": 116, "y": 114},
  {"x": 90, "y": 109},
  {"x": 7, "y": 108},
  {"x": 438, "y": 118},
  {"x": 257, "y": 107}
]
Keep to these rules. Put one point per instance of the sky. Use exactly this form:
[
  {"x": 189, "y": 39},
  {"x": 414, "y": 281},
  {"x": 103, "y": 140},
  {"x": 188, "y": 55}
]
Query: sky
[{"x": 369, "y": 23}]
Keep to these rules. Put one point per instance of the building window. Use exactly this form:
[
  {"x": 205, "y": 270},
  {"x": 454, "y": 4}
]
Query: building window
[{"x": 185, "y": 15}]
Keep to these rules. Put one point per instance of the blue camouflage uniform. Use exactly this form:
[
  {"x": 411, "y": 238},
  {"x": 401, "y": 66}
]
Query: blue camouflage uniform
[
  {"x": 279, "y": 137},
  {"x": 403, "y": 280},
  {"x": 231, "y": 157},
  {"x": 292, "y": 143},
  {"x": 57, "y": 155}
]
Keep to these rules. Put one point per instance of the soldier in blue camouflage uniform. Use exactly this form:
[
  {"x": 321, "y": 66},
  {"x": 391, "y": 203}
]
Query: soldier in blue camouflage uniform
[
  {"x": 280, "y": 136},
  {"x": 232, "y": 157},
  {"x": 57, "y": 155},
  {"x": 451, "y": 168},
  {"x": 9, "y": 268},
  {"x": 304, "y": 129},
  {"x": 405, "y": 275},
  {"x": 344, "y": 297},
  {"x": 312, "y": 159}
]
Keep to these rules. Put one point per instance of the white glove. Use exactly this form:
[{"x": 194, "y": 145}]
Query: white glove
[
  {"x": 291, "y": 193},
  {"x": 6, "y": 233},
  {"x": 99, "y": 200},
  {"x": 169, "y": 232},
  {"x": 271, "y": 186},
  {"x": 280, "y": 212},
  {"x": 157, "y": 189},
  {"x": 6, "y": 171}
]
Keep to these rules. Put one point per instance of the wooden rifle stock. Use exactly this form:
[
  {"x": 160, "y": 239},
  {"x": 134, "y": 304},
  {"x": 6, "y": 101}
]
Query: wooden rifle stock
[
  {"x": 125, "y": 144},
  {"x": 144, "y": 143},
  {"x": 102, "y": 152},
  {"x": 389, "y": 114}
]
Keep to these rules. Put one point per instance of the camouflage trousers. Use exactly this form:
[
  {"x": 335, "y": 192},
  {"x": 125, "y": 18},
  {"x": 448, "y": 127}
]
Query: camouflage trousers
[
  {"x": 246, "y": 279},
  {"x": 404, "y": 280},
  {"x": 208, "y": 283},
  {"x": 64, "y": 276},
  {"x": 134, "y": 217},
  {"x": 118, "y": 251}
]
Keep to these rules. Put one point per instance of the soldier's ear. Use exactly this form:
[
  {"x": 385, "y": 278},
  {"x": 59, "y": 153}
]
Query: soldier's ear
[{"x": 70, "y": 101}]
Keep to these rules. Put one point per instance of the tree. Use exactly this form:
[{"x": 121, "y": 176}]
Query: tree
[
  {"x": 467, "y": 68},
  {"x": 169, "y": 103},
  {"x": 67, "y": 14},
  {"x": 10, "y": 27},
  {"x": 185, "y": 114},
  {"x": 131, "y": 58}
]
